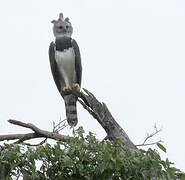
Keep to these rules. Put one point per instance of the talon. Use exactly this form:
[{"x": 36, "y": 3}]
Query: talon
[
  {"x": 76, "y": 87},
  {"x": 66, "y": 88}
]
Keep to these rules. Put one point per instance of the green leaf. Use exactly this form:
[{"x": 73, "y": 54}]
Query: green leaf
[
  {"x": 183, "y": 177},
  {"x": 161, "y": 147},
  {"x": 84, "y": 158}
]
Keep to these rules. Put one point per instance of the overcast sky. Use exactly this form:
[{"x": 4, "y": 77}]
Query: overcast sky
[{"x": 133, "y": 57}]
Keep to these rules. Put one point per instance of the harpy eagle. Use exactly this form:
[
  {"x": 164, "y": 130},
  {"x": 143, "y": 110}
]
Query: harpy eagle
[{"x": 65, "y": 62}]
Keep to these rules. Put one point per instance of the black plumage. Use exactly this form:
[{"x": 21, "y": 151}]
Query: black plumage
[
  {"x": 62, "y": 45},
  {"x": 65, "y": 62}
]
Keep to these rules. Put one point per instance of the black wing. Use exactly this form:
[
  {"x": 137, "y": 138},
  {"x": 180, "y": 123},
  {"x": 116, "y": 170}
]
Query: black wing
[
  {"x": 53, "y": 64},
  {"x": 78, "y": 66}
]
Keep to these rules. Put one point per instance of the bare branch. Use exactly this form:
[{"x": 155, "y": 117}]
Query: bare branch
[
  {"x": 21, "y": 137},
  {"x": 88, "y": 109},
  {"x": 156, "y": 131},
  {"x": 101, "y": 113},
  {"x": 98, "y": 110},
  {"x": 42, "y": 142},
  {"x": 60, "y": 126},
  {"x": 38, "y": 133},
  {"x": 149, "y": 144}
]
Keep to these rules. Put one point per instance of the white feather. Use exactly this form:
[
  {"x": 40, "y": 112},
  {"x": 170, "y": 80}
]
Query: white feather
[{"x": 66, "y": 65}]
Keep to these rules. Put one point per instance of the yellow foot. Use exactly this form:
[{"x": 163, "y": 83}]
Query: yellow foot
[
  {"x": 66, "y": 88},
  {"x": 76, "y": 87}
]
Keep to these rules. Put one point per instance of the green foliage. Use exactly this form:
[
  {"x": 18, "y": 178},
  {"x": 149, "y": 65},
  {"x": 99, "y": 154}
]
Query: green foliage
[
  {"x": 84, "y": 158},
  {"x": 161, "y": 147}
]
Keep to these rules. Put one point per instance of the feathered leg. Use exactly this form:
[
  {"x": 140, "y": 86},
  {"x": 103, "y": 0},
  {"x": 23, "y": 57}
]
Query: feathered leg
[{"x": 71, "y": 111}]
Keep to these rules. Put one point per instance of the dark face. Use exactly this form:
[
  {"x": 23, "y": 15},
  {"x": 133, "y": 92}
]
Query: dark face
[{"x": 62, "y": 28}]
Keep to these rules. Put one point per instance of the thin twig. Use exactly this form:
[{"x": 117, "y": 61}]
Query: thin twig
[
  {"x": 42, "y": 142},
  {"x": 152, "y": 134},
  {"x": 60, "y": 126},
  {"x": 149, "y": 144},
  {"x": 156, "y": 131}
]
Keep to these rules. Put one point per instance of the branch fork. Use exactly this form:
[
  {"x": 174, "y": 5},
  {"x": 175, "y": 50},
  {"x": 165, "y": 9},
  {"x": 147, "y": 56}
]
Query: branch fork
[{"x": 98, "y": 110}]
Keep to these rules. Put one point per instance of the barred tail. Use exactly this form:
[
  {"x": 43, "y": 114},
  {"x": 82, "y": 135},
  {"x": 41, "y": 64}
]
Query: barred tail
[{"x": 71, "y": 112}]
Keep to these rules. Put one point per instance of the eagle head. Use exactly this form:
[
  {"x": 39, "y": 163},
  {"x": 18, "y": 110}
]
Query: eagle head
[{"x": 62, "y": 27}]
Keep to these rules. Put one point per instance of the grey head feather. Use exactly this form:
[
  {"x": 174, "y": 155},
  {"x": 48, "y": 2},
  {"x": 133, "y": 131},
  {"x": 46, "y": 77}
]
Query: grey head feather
[
  {"x": 61, "y": 16},
  {"x": 62, "y": 27}
]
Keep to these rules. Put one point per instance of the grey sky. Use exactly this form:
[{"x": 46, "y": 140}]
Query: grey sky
[{"x": 133, "y": 56}]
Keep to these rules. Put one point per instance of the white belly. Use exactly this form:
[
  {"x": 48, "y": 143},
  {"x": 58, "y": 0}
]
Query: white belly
[{"x": 66, "y": 65}]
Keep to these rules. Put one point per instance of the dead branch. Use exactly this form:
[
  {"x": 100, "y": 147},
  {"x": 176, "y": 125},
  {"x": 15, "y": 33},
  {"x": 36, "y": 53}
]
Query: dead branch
[
  {"x": 101, "y": 113},
  {"x": 149, "y": 136},
  {"x": 149, "y": 144},
  {"x": 38, "y": 133},
  {"x": 38, "y": 144},
  {"x": 60, "y": 126},
  {"x": 95, "y": 108},
  {"x": 21, "y": 137}
]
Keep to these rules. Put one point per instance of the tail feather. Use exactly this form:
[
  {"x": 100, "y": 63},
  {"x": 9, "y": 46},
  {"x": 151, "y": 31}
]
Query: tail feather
[{"x": 71, "y": 112}]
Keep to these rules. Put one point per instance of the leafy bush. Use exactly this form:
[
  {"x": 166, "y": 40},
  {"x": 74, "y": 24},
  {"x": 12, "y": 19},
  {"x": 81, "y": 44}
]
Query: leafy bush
[{"x": 84, "y": 158}]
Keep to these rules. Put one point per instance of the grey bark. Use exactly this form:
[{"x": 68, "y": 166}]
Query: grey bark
[
  {"x": 97, "y": 109},
  {"x": 102, "y": 114}
]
